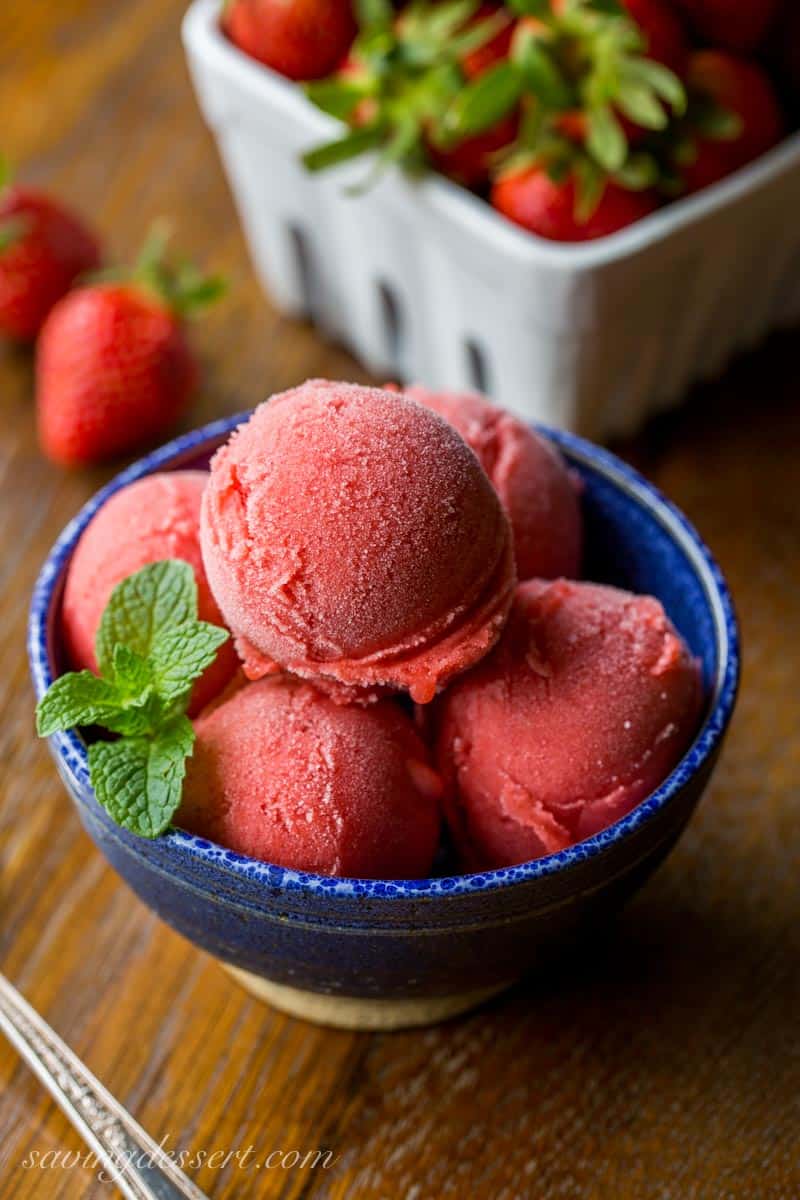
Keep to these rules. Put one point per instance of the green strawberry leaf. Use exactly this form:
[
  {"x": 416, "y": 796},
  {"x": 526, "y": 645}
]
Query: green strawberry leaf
[
  {"x": 531, "y": 8},
  {"x": 713, "y": 121},
  {"x": 639, "y": 103},
  {"x": 178, "y": 655},
  {"x": 351, "y": 145},
  {"x": 336, "y": 96},
  {"x": 590, "y": 184},
  {"x": 374, "y": 14},
  {"x": 606, "y": 141},
  {"x": 639, "y": 172},
  {"x": 182, "y": 288},
  {"x": 160, "y": 595},
  {"x": 540, "y": 72},
  {"x": 191, "y": 291},
  {"x": 138, "y": 781},
  {"x": 558, "y": 169},
  {"x": 484, "y": 102},
  {"x": 444, "y": 19},
  {"x": 611, "y": 8},
  {"x": 650, "y": 74},
  {"x": 478, "y": 34}
]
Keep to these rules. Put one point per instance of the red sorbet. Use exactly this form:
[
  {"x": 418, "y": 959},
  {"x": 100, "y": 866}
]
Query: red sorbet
[
  {"x": 350, "y": 536},
  {"x": 536, "y": 488},
  {"x": 155, "y": 518},
  {"x": 282, "y": 773},
  {"x": 583, "y": 709}
]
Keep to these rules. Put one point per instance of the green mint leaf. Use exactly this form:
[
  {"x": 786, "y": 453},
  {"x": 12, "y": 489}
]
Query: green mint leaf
[
  {"x": 78, "y": 698},
  {"x": 159, "y": 596},
  {"x": 606, "y": 141},
  {"x": 81, "y": 698},
  {"x": 133, "y": 676},
  {"x": 350, "y": 146},
  {"x": 485, "y": 102},
  {"x": 180, "y": 654},
  {"x": 138, "y": 781}
]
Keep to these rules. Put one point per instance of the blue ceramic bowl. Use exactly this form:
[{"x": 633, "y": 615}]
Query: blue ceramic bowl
[{"x": 375, "y": 953}]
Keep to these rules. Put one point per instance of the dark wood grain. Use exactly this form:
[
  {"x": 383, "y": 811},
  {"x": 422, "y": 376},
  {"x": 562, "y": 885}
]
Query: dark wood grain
[{"x": 664, "y": 1061}]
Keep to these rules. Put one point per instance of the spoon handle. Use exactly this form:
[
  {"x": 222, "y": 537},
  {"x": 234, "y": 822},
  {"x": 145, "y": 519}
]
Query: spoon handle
[{"x": 129, "y": 1157}]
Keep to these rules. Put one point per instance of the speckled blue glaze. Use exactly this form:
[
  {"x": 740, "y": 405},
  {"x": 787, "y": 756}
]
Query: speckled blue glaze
[{"x": 405, "y": 938}]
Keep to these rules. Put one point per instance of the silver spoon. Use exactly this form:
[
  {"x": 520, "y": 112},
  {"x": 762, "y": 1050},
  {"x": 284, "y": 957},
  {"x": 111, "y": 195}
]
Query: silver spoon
[{"x": 129, "y": 1157}]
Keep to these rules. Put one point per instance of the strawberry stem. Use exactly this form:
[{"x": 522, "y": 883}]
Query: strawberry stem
[{"x": 183, "y": 288}]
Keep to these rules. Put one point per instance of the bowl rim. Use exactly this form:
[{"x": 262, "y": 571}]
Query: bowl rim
[{"x": 69, "y": 750}]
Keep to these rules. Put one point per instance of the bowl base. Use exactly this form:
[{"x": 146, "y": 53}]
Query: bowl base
[{"x": 361, "y": 1013}]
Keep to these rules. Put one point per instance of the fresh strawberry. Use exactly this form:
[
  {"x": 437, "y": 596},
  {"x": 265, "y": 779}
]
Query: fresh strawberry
[
  {"x": 451, "y": 82},
  {"x": 724, "y": 85},
  {"x": 550, "y": 208},
  {"x": 114, "y": 369},
  {"x": 43, "y": 249},
  {"x": 301, "y": 39},
  {"x": 740, "y": 25},
  {"x": 470, "y": 160}
]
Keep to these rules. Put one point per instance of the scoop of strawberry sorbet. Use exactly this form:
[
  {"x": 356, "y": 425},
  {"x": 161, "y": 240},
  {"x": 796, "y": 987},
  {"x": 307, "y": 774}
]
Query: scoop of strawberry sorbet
[
  {"x": 156, "y": 517},
  {"x": 536, "y": 488},
  {"x": 350, "y": 536},
  {"x": 282, "y": 773},
  {"x": 584, "y": 707}
]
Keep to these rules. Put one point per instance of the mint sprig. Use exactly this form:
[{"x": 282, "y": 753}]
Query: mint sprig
[
  {"x": 138, "y": 780},
  {"x": 150, "y": 648}
]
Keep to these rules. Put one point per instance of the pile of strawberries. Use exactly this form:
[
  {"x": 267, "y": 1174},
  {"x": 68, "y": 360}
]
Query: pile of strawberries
[
  {"x": 113, "y": 366},
  {"x": 574, "y": 118}
]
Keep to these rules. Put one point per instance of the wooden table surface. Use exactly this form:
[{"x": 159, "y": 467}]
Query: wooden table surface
[{"x": 667, "y": 1063}]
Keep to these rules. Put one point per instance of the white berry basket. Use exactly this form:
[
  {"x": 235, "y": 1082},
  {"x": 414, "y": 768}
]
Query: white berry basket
[{"x": 425, "y": 282}]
